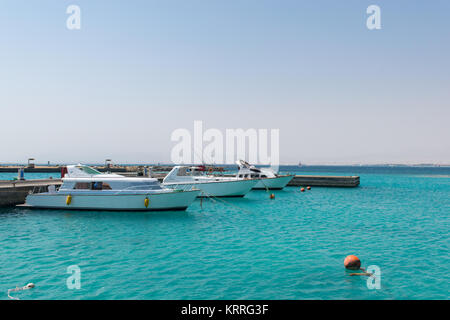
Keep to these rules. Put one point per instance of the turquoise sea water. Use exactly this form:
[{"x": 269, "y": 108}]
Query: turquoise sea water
[{"x": 292, "y": 247}]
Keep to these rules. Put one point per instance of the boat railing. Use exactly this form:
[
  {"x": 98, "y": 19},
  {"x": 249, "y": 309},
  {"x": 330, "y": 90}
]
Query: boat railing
[
  {"x": 39, "y": 189},
  {"x": 44, "y": 189},
  {"x": 142, "y": 188},
  {"x": 181, "y": 187}
]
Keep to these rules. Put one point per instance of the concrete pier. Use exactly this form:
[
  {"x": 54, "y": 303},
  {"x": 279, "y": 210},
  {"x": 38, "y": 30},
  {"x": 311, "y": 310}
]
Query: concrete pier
[
  {"x": 15, "y": 192},
  {"x": 47, "y": 169},
  {"x": 325, "y": 181},
  {"x": 40, "y": 169}
]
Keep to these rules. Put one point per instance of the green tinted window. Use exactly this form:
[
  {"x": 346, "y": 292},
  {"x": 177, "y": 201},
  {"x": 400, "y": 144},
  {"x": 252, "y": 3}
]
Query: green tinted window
[{"x": 89, "y": 170}]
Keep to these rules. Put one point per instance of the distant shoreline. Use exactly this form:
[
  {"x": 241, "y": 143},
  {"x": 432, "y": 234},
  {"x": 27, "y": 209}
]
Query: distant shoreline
[{"x": 52, "y": 164}]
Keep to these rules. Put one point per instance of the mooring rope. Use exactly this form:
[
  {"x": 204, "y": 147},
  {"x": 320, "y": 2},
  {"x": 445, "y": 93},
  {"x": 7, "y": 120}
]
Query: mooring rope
[
  {"x": 216, "y": 199},
  {"x": 267, "y": 189},
  {"x": 28, "y": 286}
]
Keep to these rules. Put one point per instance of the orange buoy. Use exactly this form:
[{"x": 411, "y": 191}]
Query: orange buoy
[
  {"x": 352, "y": 262},
  {"x": 272, "y": 196},
  {"x": 302, "y": 189},
  {"x": 308, "y": 188}
]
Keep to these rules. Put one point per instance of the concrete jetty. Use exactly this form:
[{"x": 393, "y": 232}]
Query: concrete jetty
[
  {"x": 325, "y": 181},
  {"x": 47, "y": 169},
  {"x": 15, "y": 192},
  {"x": 40, "y": 169}
]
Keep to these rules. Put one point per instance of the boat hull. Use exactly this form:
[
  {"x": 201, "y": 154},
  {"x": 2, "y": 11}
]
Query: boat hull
[
  {"x": 113, "y": 202},
  {"x": 231, "y": 188},
  {"x": 276, "y": 183}
]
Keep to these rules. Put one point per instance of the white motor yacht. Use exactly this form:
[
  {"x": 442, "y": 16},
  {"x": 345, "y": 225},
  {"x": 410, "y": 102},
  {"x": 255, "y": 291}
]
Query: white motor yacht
[
  {"x": 268, "y": 178},
  {"x": 210, "y": 186},
  {"x": 84, "y": 188}
]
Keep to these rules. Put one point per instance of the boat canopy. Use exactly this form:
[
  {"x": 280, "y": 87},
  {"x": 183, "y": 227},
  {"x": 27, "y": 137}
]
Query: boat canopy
[
  {"x": 179, "y": 172},
  {"x": 245, "y": 165},
  {"x": 80, "y": 170},
  {"x": 247, "y": 170}
]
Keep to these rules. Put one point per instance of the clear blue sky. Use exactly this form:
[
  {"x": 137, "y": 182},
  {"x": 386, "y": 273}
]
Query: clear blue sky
[{"x": 137, "y": 70}]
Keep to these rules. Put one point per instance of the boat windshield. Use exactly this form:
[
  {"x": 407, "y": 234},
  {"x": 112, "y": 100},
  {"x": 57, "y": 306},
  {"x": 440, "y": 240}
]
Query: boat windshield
[
  {"x": 189, "y": 171},
  {"x": 88, "y": 170}
]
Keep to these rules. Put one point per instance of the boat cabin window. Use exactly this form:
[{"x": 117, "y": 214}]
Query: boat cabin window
[
  {"x": 82, "y": 186},
  {"x": 100, "y": 186},
  {"x": 182, "y": 172},
  {"x": 195, "y": 172},
  {"x": 92, "y": 186},
  {"x": 106, "y": 186},
  {"x": 189, "y": 172},
  {"x": 263, "y": 176},
  {"x": 96, "y": 185}
]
